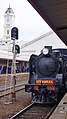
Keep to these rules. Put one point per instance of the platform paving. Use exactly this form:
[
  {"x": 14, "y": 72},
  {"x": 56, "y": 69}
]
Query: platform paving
[{"x": 61, "y": 110}]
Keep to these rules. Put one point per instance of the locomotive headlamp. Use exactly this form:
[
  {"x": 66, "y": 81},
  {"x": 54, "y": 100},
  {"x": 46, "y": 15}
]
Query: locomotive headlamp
[
  {"x": 45, "y": 51},
  {"x": 60, "y": 59}
]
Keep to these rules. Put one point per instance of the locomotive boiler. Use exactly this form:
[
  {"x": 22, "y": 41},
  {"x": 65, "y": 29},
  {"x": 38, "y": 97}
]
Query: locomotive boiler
[{"x": 47, "y": 75}]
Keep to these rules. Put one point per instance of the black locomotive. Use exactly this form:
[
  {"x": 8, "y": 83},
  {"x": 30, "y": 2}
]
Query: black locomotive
[{"x": 48, "y": 75}]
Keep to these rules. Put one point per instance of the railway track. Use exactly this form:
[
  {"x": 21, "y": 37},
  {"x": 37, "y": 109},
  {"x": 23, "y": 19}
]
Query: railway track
[
  {"x": 34, "y": 111},
  {"x": 9, "y": 90}
]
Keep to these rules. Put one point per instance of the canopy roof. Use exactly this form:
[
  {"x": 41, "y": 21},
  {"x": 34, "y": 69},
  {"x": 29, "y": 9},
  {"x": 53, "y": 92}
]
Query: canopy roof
[{"x": 54, "y": 12}]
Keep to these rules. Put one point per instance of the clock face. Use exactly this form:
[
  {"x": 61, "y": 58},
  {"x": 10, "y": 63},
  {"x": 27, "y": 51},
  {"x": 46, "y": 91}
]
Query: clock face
[
  {"x": 8, "y": 22},
  {"x": 8, "y": 19}
]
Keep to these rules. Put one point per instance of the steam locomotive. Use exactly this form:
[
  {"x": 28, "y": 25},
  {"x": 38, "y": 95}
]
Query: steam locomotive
[{"x": 48, "y": 75}]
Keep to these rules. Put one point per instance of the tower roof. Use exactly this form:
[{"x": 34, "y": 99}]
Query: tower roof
[{"x": 9, "y": 10}]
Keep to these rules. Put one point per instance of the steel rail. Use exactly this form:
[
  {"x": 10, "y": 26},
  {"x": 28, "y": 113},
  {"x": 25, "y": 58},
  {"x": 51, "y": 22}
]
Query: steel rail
[
  {"x": 26, "y": 108},
  {"x": 21, "y": 111},
  {"x": 8, "y": 90},
  {"x": 49, "y": 114},
  {"x": 1, "y": 90}
]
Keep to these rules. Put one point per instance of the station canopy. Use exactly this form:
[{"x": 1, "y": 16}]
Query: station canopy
[{"x": 54, "y": 12}]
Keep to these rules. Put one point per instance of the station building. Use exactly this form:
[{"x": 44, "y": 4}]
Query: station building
[
  {"x": 6, "y": 44},
  {"x": 26, "y": 49}
]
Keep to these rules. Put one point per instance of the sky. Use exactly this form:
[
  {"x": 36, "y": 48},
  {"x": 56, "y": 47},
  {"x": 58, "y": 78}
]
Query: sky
[{"x": 29, "y": 23}]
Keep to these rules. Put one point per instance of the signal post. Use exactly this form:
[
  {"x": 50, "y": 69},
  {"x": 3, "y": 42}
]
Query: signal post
[
  {"x": 14, "y": 72},
  {"x": 15, "y": 50}
]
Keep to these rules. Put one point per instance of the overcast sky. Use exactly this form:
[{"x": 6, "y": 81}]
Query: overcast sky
[{"x": 28, "y": 21}]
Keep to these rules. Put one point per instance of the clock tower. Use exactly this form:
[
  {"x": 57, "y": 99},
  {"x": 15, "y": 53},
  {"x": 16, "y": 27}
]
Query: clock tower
[{"x": 9, "y": 21}]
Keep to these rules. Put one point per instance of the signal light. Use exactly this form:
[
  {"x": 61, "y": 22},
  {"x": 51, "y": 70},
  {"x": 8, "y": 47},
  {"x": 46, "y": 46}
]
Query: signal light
[
  {"x": 17, "y": 49},
  {"x": 14, "y": 33}
]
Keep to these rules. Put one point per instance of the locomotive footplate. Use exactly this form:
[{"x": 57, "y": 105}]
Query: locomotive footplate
[
  {"x": 34, "y": 87},
  {"x": 44, "y": 93}
]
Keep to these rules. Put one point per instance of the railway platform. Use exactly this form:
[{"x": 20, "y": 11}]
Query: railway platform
[{"x": 61, "y": 110}]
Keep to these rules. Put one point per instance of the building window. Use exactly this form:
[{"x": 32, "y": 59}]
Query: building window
[{"x": 7, "y": 31}]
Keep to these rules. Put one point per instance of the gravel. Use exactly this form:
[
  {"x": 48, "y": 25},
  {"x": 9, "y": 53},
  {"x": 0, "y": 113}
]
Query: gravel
[{"x": 9, "y": 108}]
